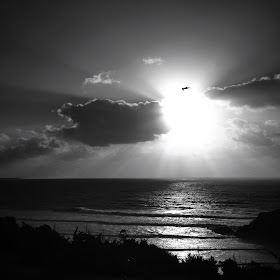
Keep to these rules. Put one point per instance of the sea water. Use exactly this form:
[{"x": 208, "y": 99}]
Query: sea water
[{"x": 175, "y": 214}]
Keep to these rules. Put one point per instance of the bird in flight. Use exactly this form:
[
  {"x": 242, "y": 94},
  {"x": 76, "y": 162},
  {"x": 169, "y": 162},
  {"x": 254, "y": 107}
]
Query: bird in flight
[{"x": 185, "y": 88}]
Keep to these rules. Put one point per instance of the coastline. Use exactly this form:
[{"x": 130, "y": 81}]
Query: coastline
[
  {"x": 41, "y": 249},
  {"x": 181, "y": 216}
]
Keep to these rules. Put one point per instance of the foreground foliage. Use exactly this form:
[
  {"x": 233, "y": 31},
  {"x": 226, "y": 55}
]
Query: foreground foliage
[{"x": 42, "y": 253}]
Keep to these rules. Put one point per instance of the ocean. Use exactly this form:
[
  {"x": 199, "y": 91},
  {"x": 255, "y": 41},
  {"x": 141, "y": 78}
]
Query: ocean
[{"x": 177, "y": 215}]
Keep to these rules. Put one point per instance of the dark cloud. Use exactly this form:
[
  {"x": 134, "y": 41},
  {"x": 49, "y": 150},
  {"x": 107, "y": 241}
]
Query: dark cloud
[
  {"x": 4, "y": 138},
  {"x": 22, "y": 148},
  {"x": 105, "y": 122},
  {"x": 257, "y": 93},
  {"x": 22, "y": 145},
  {"x": 97, "y": 123}
]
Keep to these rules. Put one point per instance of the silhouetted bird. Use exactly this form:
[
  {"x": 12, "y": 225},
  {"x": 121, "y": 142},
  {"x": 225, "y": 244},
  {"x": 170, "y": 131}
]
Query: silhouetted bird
[{"x": 185, "y": 88}]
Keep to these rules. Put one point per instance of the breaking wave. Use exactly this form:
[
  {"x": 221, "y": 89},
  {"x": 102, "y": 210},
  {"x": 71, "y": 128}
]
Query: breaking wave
[{"x": 146, "y": 214}]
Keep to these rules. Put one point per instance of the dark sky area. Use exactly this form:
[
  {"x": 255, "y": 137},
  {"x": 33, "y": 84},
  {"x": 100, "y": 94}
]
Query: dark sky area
[{"x": 66, "y": 64}]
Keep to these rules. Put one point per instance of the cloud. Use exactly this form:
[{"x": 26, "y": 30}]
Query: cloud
[
  {"x": 22, "y": 145},
  {"x": 238, "y": 123},
  {"x": 102, "y": 78},
  {"x": 263, "y": 137},
  {"x": 96, "y": 123},
  {"x": 4, "y": 138},
  {"x": 22, "y": 148},
  {"x": 105, "y": 122},
  {"x": 153, "y": 60},
  {"x": 272, "y": 123},
  {"x": 257, "y": 93}
]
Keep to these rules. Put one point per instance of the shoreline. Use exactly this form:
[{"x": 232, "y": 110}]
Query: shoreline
[
  {"x": 86, "y": 252},
  {"x": 217, "y": 245}
]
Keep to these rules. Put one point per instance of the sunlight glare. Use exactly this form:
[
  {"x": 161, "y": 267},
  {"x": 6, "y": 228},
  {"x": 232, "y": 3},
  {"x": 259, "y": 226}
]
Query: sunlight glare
[{"x": 192, "y": 118}]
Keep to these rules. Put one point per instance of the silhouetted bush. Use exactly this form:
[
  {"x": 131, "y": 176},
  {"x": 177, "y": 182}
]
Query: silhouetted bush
[
  {"x": 257, "y": 271},
  {"x": 230, "y": 269},
  {"x": 9, "y": 234},
  {"x": 197, "y": 266},
  {"x": 41, "y": 252}
]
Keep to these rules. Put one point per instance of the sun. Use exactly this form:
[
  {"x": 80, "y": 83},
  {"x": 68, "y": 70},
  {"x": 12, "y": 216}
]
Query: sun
[{"x": 191, "y": 117}]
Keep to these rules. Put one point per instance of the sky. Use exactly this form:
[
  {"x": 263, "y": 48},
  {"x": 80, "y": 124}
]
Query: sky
[{"x": 94, "y": 89}]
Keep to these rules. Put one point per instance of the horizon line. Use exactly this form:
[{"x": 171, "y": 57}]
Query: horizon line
[{"x": 143, "y": 178}]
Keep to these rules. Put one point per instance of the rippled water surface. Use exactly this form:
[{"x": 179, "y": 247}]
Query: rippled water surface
[{"x": 177, "y": 215}]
